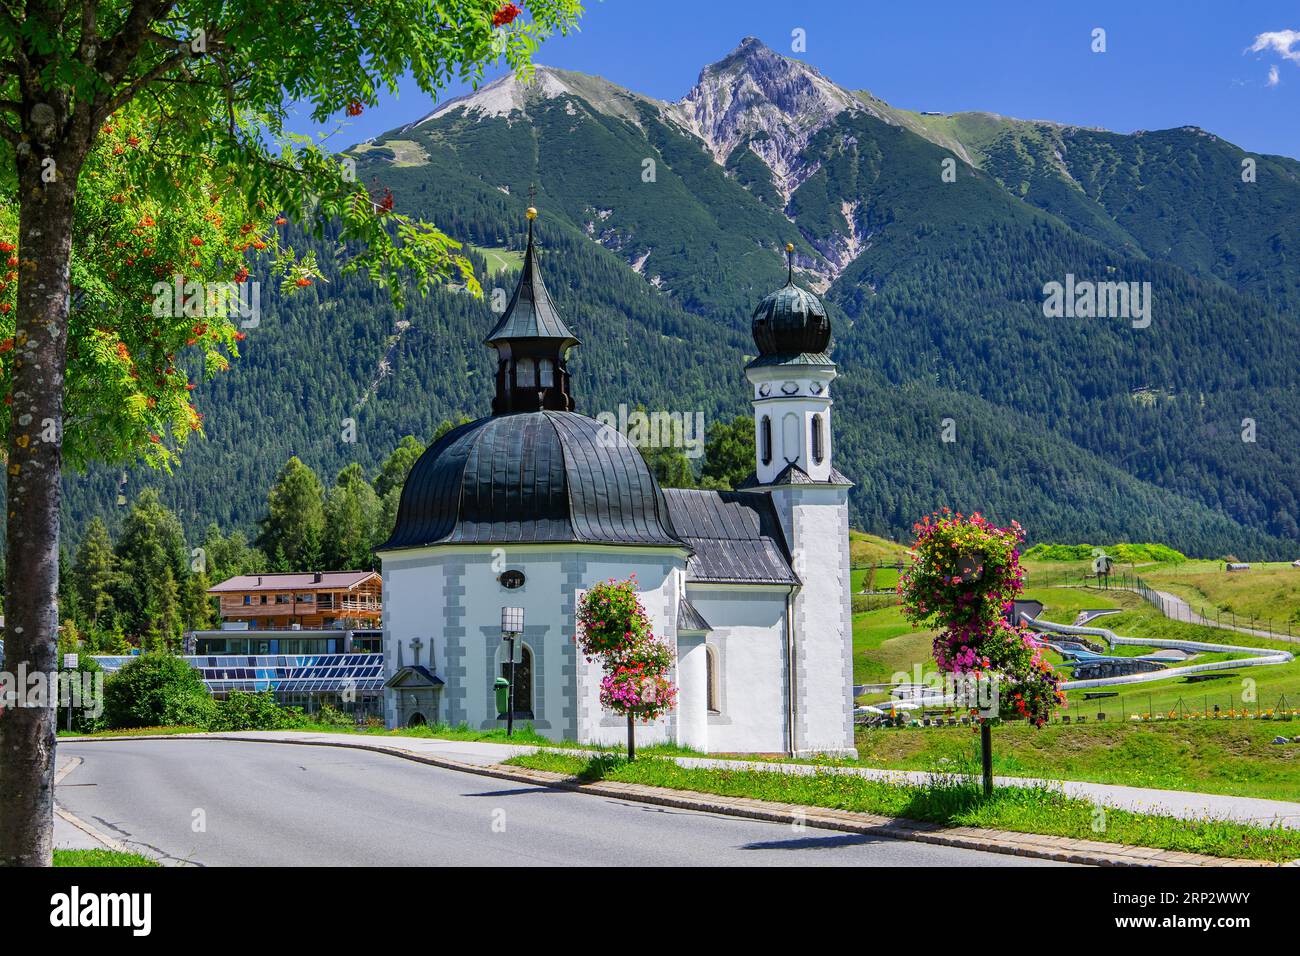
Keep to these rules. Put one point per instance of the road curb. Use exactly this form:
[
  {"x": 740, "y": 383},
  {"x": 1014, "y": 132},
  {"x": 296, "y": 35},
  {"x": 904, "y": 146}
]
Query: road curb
[
  {"x": 76, "y": 821},
  {"x": 1029, "y": 845}
]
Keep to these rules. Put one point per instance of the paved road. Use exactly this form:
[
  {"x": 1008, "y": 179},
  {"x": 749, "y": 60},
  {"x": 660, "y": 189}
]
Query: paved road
[{"x": 274, "y": 804}]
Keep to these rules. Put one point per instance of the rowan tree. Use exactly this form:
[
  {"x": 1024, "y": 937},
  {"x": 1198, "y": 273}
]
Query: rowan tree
[{"x": 145, "y": 141}]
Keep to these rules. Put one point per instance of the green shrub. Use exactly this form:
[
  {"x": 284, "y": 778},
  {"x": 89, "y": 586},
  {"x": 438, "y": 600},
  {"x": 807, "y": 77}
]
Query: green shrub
[
  {"x": 242, "y": 710},
  {"x": 157, "y": 690},
  {"x": 1122, "y": 552},
  {"x": 84, "y": 719},
  {"x": 331, "y": 716}
]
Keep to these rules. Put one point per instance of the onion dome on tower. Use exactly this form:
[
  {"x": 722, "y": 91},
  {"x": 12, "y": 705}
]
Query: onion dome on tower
[
  {"x": 790, "y": 324},
  {"x": 531, "y": 342},
  {"x": 792, "y": 376}
]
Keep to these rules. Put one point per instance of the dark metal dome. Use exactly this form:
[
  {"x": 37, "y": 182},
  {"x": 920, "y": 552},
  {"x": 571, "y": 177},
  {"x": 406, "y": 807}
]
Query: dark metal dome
[
  {"x": 544, "y": 476},
  {"x": 791, "y": 321}
]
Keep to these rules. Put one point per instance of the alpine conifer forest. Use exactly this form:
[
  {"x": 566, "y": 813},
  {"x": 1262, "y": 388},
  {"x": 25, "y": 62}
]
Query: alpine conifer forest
[{"x": 1081, "y": 428}]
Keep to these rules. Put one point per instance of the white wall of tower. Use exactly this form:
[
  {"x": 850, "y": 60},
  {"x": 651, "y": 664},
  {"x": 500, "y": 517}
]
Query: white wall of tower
[{"x": 793, "y": 399}]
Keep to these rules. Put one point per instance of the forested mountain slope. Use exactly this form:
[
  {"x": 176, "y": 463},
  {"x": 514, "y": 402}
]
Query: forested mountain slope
[{"x": 662, "y": 226}]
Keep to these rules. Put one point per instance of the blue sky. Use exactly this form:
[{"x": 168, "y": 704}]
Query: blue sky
[{"x": 1166, "y": 63}]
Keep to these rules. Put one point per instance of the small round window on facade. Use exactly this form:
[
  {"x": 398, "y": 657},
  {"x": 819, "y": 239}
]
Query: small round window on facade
[{"x": 511, "y": 579}]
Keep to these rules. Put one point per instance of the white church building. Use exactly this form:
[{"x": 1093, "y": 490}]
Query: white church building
[{"x": 532, "y": 505}]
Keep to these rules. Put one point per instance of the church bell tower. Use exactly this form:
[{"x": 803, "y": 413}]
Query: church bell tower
[
  {"x": 532, "y": 342},
  {"x": 791, "y": 378}
]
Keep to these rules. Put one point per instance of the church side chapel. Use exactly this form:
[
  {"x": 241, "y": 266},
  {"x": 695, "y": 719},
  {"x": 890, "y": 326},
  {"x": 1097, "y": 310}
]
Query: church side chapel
[{"x": 529, "y": 507}]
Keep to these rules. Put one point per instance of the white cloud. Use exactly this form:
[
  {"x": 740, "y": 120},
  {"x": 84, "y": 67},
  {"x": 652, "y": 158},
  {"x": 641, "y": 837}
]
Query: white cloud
[
  {"x": 1285, "y": 43},
  {"x": 1273, "y": 78}
]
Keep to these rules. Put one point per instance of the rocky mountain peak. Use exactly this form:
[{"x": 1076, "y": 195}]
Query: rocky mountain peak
[
  {"x": 775, "y": 102},
  {"x": 512, "y": 94}
]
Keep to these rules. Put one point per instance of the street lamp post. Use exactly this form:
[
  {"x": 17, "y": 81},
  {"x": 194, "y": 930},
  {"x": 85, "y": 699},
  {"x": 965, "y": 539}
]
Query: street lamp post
[{"x": 512, "y": 625}]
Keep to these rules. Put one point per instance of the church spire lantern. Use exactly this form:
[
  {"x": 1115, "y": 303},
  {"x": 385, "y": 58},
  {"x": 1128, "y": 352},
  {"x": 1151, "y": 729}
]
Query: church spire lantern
[
  {"x": 791, "y": 377},
  {"x": 532, "y": 342}
]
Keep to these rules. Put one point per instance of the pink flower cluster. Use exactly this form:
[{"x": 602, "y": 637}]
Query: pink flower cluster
[
  {"x": 964, "y": 577},
  {"x": 613, "y": 625}
]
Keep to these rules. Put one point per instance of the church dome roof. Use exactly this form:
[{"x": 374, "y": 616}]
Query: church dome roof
[
  {"x": 545, "y": 476},
  {"x": 791, "y": 321}
]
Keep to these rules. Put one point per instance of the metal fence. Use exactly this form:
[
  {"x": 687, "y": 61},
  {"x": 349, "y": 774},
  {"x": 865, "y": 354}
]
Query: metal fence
[
  {"x": 1216, "y": 705},
  {"x": 1178, "y": 609}
]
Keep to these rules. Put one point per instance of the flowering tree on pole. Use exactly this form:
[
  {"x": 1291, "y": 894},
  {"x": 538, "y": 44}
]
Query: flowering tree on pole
[
  {"x": 613, "y": 625},
  {"x": 963, "y": 579}
]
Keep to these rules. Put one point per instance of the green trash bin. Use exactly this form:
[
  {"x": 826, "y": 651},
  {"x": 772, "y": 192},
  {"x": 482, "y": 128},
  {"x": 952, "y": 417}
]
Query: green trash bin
[{"x": 502, "y": 688}]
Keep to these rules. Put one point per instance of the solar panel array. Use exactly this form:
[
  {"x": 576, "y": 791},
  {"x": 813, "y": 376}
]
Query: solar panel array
[{"x": 282, "y": 673}]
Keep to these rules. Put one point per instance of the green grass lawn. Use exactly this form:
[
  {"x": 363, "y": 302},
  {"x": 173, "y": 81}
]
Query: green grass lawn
[
  {"x": 500, "y": 260},
  {"x": 954, "y": 800},
  {"x": 1228, "y": 757},
  {"x": 135, "y": 732},
  {"x": 884, "y": 644},
  {"x": 883, "y": 579},
  {"x": 871, "y": 549},
  {"x": 1213, "y": 756},
  {"x": 1267, "y": 592},
  {"x": 100, "y": 858}
]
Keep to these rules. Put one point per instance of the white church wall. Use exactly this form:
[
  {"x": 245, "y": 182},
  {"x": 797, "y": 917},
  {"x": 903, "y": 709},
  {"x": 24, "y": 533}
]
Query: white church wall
[
  {"x": 451, "y": 599},
  {"x": 816, "y": 522},
  {"x": 658, "y": 574},
  {"x": 692, "y": 692},
  {"x": 795, "y": 395},
  {"x": 749, "y": 640},
  {"x": 408, "y": 615}
]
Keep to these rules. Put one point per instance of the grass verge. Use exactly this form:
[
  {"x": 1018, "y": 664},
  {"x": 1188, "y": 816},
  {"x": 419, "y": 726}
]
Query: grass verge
[
  {"x": 100, "y": 858},
  {"x": 136, "y": 732},
  {"x": 1236, "y": 758},
  {"x": 950, "y": 800}
]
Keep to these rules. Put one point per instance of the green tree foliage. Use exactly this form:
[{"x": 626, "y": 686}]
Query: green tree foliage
[
  {"x": 392, "y": 476},
  {"x": 393, "y": 472},
  {"x": 76, "y": 711},
  {"x": 152, "y": 562},
  {"x": 729, "y": 453},
  {"x": 157, "y": 690},
  {"x": 228, "y": 555},
  {"x": 244, "y": 710},
  {"x": 670, "y": 465},
  {"x": 117, "y": 112},
  {"x": 94, "y": 574},
  {"x": 352, "y": 522},
  {"x": 294, "y": 526}
]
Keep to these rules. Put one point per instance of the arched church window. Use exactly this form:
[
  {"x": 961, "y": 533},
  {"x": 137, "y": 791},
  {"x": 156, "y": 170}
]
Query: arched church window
[
  {"x": 765, "y": 439},
  {"x": 523, "y": 680},
  {"x": 525, "y": 373},
  {"x": 711, "y": 680},
  {"x": 818, "y": 444},
  {"x": 545, "y": 373}
]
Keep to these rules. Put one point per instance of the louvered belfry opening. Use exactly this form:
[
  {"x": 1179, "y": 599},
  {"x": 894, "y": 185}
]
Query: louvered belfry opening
[
  {"x": 531, "y": 377},
  {"x": 532, "y": 342}
]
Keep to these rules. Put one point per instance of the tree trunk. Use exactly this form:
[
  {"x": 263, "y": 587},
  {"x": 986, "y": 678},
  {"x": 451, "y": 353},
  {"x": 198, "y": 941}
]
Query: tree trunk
[
  {"x": 631, "y": 737},
  {"x": 34, "y": 463}
]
